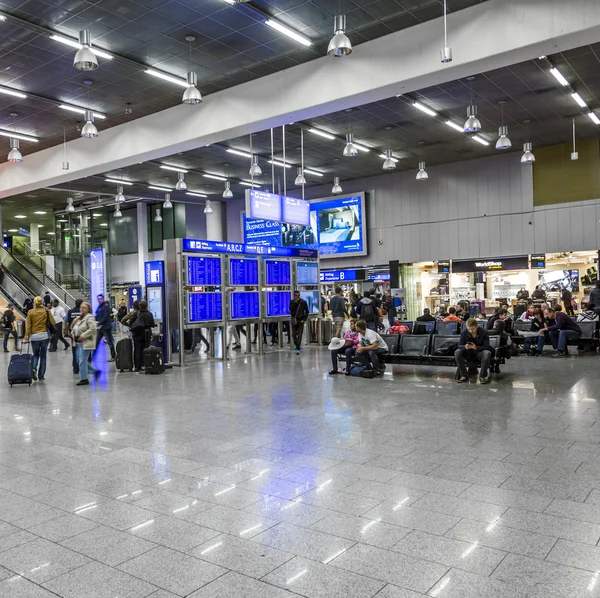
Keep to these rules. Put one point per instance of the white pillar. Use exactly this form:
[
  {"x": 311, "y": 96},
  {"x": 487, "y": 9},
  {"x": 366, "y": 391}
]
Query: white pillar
[
  {"x": 142, "y": 235},
  {"x": 34, "y": 236},
  {"x": 214, "y": 222}
]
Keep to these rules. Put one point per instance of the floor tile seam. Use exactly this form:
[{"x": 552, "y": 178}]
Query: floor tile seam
[
  {"x": 453, "y": 514},
  {"x": 64, "y": 573},
  {"x": 261, "y": 580},
  {"x": 522, "y": 529},
  {"x": 498, "y": 565},
  {"x": 572, "y": 519},
  {"x": 33, "y": 582},
  {"x": 524, "y": 494},
  {"x": 381, "y": 500}
]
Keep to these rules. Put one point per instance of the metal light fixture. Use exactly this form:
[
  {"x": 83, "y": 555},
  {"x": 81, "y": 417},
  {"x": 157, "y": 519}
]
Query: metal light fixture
[
  {"x": 503, "y": 142},
  {"x": 119, "y": 197},
  {"x": 472, "y": 124},
  {"x": 350, "y": 150},
  {"x": 70, "y": 207},
  {"x": 65, "y": 164},
  {"x": 527, "y": 157},
  {"x": 89, "y": 130},
  {"x": 299, "y": 180},
  {"x": 208, "y": 209},
  {"x": 117, "y": 213},
  {"x": 227, "y": 194},
  {"x": 85, "y": 59},
  {"x": 574, "y": 153},
  {"x": 191, "y": 95},
  {"x": 337, "y": 189},
  {"x": 339, "y": 45},
  {"x": 422, "y": 174},
  {"x": 255, "y": 169},
  {"x": 158, "y": 217},
  {"x": 389, "y": 163},
  {"x": 167, "y": 205},
  {"x": 14, "y": 155},
  {"x": 446, "y": 51},
  {"x": 180, "y": 185}
]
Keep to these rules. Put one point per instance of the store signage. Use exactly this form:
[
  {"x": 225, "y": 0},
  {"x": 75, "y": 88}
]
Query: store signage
[
  {"x": 443, "y": 267},
  {"x": 225, "y": 247},
  {"x": 97, "y": 276},
  {"x": 154, "y": 272},
  {"x": 339, "y": 275},
  {"x": 520, "y": 262},
  {"x": 278, "y": 208},
  {"x": 538, "y": 262},
  {"x": 379, "y": 276}
]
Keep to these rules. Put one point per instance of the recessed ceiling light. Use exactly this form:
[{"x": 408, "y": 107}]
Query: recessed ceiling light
[
  {"x": 214, "y": 176},
  {"x": 321, "y": 134},
  {"x": 40, "y": 212},
  {"x": 455, "y": 126},
  {"x": 165, "y": 77},
  {"x": 103, "y": 224},
  {"x": 157, "y": 188},
  {"x": 424, "y": 109},
  {"x": 97, "y": 215},
  {"x": 239, "y": 153},
  {"x": 559, "y": 77},
  {"x": 77, "y": 110},
  {"x": 385, "y": 158},
  {"x": 196, "y": 194},
  {"x": 315, "y": 172},
  {"x": 12, "y": 92},
  {"x": 62, "y": 220},
  {"x": 288, "y": 32},
  {"x": 13, "y": 230},
  {"x": 175, "y": 168},
  {"x": 75, "y": 44},
  {"x": 594, "y": 118},
  {"x": 118, "y": 182},
  {"x": 50, "y": 233},
  {"x": 18, "y": 136},
  {"x": 20, "y": 216},
  {"x": 361, "y": 148},
  {"x": 480, "y": 139},
  {"x": 278, "y": 163},
  {"x": 579, "y": 100},
  {"x": 247, "y": 184}
]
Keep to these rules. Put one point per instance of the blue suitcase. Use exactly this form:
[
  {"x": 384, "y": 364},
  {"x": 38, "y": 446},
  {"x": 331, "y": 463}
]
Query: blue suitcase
[{"x": 20, "y": 369}]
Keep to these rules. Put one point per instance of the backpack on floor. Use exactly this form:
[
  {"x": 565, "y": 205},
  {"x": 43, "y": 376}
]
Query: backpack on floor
[{"x": 362, "y": 371}]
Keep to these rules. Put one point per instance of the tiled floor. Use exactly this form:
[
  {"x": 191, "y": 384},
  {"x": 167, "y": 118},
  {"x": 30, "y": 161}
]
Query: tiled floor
[{"x": 267, "y": 478}]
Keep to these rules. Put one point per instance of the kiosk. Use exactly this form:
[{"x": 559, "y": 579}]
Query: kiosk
[{"x": 154, "y": 274}]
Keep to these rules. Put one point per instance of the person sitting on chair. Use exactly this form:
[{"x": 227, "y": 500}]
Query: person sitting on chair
[
  {"x": 370, "y": 347},
  {"x": 474, "y": 346}
]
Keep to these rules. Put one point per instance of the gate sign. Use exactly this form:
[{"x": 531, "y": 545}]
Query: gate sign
[
  {"x": 97, "y": 276},
  {"x": 337, "y": 275},
  {"x": 135, "y": 294}
]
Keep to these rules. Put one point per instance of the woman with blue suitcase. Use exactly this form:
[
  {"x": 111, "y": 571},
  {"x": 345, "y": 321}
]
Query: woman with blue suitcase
[{"x": 40, "y": 327}]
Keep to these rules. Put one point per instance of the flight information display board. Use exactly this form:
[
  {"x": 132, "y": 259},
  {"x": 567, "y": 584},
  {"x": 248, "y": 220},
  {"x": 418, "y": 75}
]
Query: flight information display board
[
  {"x": 278, "y": 304},
  {"x": 244, "y": 305},
  {"x": 307, "y": 272},
  {"x": 277, "y": 273},
  {"x": 313, "y": 300},
  {"x": 204, "y": 307},
  {"x": 243, "y": 272},
  {"x": 203, "y": 271}
]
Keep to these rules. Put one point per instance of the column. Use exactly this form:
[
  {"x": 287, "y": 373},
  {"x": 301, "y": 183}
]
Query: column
[
  {"x": 215, "y": 222},
  {"x": 142, "y": 235},
  {"x": 1, "y": 227},
  {"x": 34, "y": 236}
]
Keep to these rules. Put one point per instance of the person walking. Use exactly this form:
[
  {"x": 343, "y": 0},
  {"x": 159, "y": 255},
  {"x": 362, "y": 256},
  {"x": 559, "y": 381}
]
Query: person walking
[
  {"x": 40, "y": 323},
  {"x": 59, "y": 314},
  {"x": 10, "y": 327},
  {"x": 84, "y": 335},
  {"x": 299, "y": 313},
  {"x": 338, "y": 311},
  {"x": 72, "y": 315},
  {"x": 140, "y": 325},
  {"x": 28, "y": 304},
  {"x": 104, "y": 319}
]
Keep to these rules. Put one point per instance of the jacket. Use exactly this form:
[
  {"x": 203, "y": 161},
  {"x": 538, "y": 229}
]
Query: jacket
[
  {"x": 84, "y": 330},
  {"x": 595, "y": 298},
  {"x": 37, "y": 321},
  {"x": 452, "y": 318},
  {"x": 103, "y": 314},
  {"x": 563, "y": 322},
  {"x": 148, "y": 320},
  {"x": 360, "y": 309},
  {"x": 337, "y": 305},
  {"x": 299, "y": 310},
  {"x": 427, "y": 318},
  {"x": 481, "y": 339}
]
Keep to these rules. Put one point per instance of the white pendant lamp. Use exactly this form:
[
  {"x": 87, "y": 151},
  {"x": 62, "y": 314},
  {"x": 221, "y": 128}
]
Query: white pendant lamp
[
  {"x": 299, "y": 180},
  {"x": 65, "y": 164},
  {"x": 527, "y": 157},
  {"x": 167, "y": 203},
  {"x": 70, "y": 207},
  {"x": 350, "y": 150},
  {"x": 181, "y": 184},
  {"x": 227, "y": 194},
  {"x": 158, "y": 217},
  {"x": 339, "y": 45},
  {"x": 422, "y": 174},
  {"x": 208, "y": 209},
  {"x": 119, "y": 197},
  {"x": 503, "y": 142},
  {"x": 446, "y": 51},
  {"x": 472, "y": 124},
  {"x": 191, "y": 95},
  {"x": 89, "y": 130},
  {"x": 337, "y": 188},
  {"x": 574, "y": 153},
  {"x": 14, "y": 155},
  {"x": 388, "y": 163},
  {"x": 85, "y": 59},
  {"x": 117, "y": 213},
  {"x": 255, "y": 169}
]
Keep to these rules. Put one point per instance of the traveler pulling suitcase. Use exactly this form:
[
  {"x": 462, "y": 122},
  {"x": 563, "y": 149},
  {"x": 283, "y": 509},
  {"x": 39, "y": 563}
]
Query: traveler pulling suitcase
[
  {"x": 154, "y": 362},
  {"x": 124, "y": 356},
  {"x": 20, "y": 368}
]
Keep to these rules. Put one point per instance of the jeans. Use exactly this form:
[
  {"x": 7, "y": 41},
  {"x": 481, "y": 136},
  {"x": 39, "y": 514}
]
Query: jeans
[
  {"x": 75, "y": 353},
  {"x": 560, "y": 338},
  {"x": 107, "y": 334},
  {"x": 40, "y": 349},
  {"x": 83, "y": 357},
  {"x": 371, "y": 357},
  {"x": 297, "y": 332},
  {"x": 7, "y": 333},
  {"x": 348, "y": 351},
  {"x": 391, "y": 320},
  {"x": 483, "y": 358},
  {"x": 543, "y": 339}
]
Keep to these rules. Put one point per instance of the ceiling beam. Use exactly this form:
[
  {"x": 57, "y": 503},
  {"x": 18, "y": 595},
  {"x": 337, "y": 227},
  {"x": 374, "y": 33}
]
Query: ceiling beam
[{"x": 490, "y": 35}]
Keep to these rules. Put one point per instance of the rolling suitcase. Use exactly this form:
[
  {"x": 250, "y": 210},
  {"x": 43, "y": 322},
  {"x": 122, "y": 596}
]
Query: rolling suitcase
[
  {"x": 20, "y": 368},
  {"x": 124, "y": 356},
  {"x": 154, "y": 362}
]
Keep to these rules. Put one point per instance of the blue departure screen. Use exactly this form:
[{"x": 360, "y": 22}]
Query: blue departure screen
[
  {"x": 278, "y": 304},
  {"x": 243, "y": 272},
  {"x": 204, "y": 271},
  {"x": 244, "y": 306},
  {"x": 277, "y": 273},
  {"x": 203, "y": 307},
  {"x": 308, "y": 272}
]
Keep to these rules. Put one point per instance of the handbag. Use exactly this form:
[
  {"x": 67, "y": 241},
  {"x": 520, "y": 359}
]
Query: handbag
[{"x": 50, "y": 327}]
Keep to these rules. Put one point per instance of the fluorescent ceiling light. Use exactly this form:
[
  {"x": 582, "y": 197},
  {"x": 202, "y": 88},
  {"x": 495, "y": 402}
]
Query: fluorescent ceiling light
[
  {"x": 385, "y": 158},
  {"x": 579, "y": 99},
  {"x": 175, "y": 168},
  {"x": 81, "y": 111},
  {"x": 2, "y": 18},
  {"x": 166, "y": 77},
  {"x": 20, "y": 216},
  {"x": 246, "y": 184},
  {"x": 159, "y": 188},
  {"x": 322, "y": 133},
  {"x": 455, "y": 126},
  {"x": 19, "y": 136},
  {"x": 196, "y": 194},
  {"x": 118, "y": 182},
  {"x": 11, "y": 92},
  {"x": 480, "y": 139},
  {"x": 361, "y": 148},
  {"x": 214, "y": 176},
  {"x": 103, "y": 224},
  {"x": 239, "y": 153},
  {"x": 13, "y": 230},
  {"x": 316, "y": 173},
  {"x": 559, "y": 77},
  {"x": 594, "y": 118},
  {"x": 50, "y": 233},
  {"x": 289, "y": 32},
  {"x": 278, "y": 163},
  {"x": 97, "y": 215},
  {"x": 40, "y": 213},
  {"x": 424, "y": 109},
  {"x": 75, "y": 44}
]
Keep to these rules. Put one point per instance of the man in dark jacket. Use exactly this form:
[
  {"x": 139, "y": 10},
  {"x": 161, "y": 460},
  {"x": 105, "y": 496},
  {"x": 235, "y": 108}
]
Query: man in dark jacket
[
  {"x": 28, "y": 304},
  {"x": 474, "y": 346},
  {"x": 595, "y": 297},
  {"x": 299, "y": 313},
  {"x": 366, "y": 309},
  {"x": 563, "y": 330},
  {"x": 104, "y": 319},
  {"x": 72, "y": 315},
  {"x": 426, "y": 317},
  {"x": 501, "y": 314},
  {"x": 141, "y": 323}
]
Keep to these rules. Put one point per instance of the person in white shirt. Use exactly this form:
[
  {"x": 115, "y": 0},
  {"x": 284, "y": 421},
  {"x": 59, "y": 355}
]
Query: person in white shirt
[
  {"x": 58, "y": 313},
  {"x": 370, "y": 347},
  {"x": 588, "y": 314}
]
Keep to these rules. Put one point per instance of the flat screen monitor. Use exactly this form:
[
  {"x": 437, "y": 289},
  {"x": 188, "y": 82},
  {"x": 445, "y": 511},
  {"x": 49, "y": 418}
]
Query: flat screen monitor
[
  {"x": 204, "y": 307},
  {"x": 307, "y": 272},
  {"x": 277, "y": 273},
  {"x": 313, "y": 299},
  {"x": 278, "y": 303},
  {"x": 244, "y": 305},
  {"x": 264, "y": 205},
  {"x": 243, "y": 272},
  {"x": 155, "y": 302},
  {"x": 203, "y": 271}
]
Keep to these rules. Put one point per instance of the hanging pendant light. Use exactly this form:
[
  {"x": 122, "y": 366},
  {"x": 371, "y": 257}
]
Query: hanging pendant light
[
  {"x": 167, "y": 203},
  {"x": 422, "y": 174},
  {"x": 350, "y": 150},
  {"x": 339, "y": 45},
  {"x": 89, "y": 130},
  {"x": 70, "y": 207},
  {"x": 337, "y": 189},
  {"x": 574, "y": 153},
  {"x": 503, "y": 142},
  {"x": 208, "y": 208},
  {"x": 389, "y": 163},
  {"x": 119, "y": 197},
  {"x": 446, "y": 51},
  {"x": 14, "y": 155},
  {"x": 158, "y": 217},
  {"x": 472, "y": 124},
  {"x": 191, "y": 95},
  {"x": 85, "y": 59},
  {"x": 227, "y": 194},
  {"x": 65, "y": 164},
  {"x": 527, "y": 157},
  {"x": 117, "y": 213},
  {"x": 299, "y": 180},
  {"x": 181, "y": 185},
  {"x": 255, "y": 169}
]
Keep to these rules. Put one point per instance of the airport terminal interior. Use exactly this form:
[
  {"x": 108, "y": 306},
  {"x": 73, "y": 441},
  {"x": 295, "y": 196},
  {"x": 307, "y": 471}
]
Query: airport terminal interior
[{"x": 299, "y": 298}]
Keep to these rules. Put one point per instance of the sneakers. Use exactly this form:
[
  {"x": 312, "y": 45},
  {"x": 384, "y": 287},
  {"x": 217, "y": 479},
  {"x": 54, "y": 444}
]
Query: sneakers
[
  {"x": 236, "y": 347},
  {"x": 83, "y": 383},
  {"x": 462, "y": 380},
  {"x": 297, "y": 351},
  {"x": 559, "y": 354},
  {"x": 333, "y": 372},
  {"x": 484, "y": 380},
  {"x": 34, "y": 375},
  {"x": 6, "y": 351},
  {"x": 110, "y": 360}
]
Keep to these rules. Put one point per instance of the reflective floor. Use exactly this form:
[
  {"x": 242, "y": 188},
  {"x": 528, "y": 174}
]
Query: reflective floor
[{"x": 268, "y": 478}]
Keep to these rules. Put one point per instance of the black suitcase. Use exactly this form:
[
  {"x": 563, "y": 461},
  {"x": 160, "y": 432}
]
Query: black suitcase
[
  {"x": 154, "y": 362},
  {"x": 124, "y": 356},
  {"x": 20, "y": 369},
  {"x": 188, "y": 339}
]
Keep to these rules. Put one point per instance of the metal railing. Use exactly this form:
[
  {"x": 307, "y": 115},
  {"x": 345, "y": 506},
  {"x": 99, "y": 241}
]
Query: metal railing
[{"x": 14, "y": 291}]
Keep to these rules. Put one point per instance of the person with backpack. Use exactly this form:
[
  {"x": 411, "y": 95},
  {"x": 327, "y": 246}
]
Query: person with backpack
[
  {"x": 104, "y": 319},
  {"x": 299, "y": 314},
  {"x": 10, "y": 327},
  {"x": 366, "y": 310},
  {"x": 84, "y": 336},
  {"x": 140, "y": 325},
  {"x": 40, "y": 326}
]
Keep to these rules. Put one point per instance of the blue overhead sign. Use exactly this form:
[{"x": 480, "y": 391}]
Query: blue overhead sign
[
  {"x": 155, "y": 272},
  {"x": 225, "y": 247},
  {"x": 337, "y": 275},
  {"x": 97, "y": 276}
]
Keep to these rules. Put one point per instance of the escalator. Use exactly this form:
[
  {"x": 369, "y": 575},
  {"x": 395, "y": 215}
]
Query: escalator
[{"x": 12, "y": 291}]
